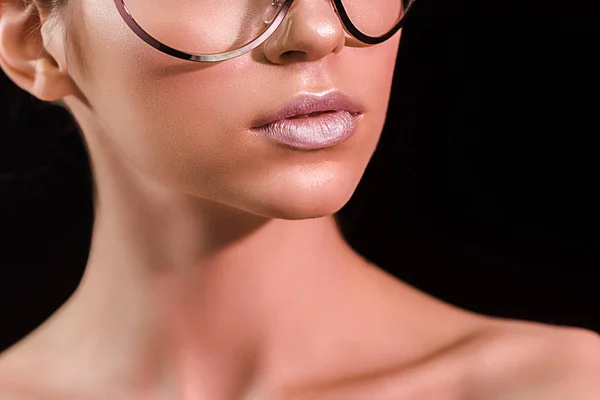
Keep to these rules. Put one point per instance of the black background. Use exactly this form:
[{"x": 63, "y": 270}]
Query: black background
[{"x": 482, "y": 190}]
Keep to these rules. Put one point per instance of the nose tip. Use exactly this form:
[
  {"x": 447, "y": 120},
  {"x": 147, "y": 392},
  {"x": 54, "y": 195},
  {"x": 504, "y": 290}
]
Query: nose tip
[{"x": 310, "y": 30}]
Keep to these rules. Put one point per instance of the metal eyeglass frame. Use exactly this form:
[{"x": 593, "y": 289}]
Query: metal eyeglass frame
[{"x": 339, "y": 9}]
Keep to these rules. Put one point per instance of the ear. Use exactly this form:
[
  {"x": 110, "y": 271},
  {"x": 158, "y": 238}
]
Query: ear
[{"x": 24, "y": 56}]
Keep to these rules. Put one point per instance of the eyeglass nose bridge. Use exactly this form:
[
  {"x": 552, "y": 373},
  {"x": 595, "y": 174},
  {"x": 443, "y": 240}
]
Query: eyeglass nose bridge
[
  {"x": 279, "y": 16},
  {"x": 276, "y": 4},
  {"x": 275, "y": 11}
]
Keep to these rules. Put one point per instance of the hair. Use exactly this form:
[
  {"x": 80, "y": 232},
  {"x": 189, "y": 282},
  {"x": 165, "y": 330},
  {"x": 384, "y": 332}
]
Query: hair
[{"x": 49, "y": 6}]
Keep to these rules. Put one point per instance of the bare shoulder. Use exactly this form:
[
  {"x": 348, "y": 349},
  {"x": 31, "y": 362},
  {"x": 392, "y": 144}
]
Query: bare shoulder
[
  {"x": 507, "y": 360},
  {"x": 10, "y": 391},
  {"x": 483, "y": 359},
  {"x": 9, "y": 388},
  {"x": 504, "y": 359},
  {"x": 15, "y": 389},
  {"x": 15, "y": 385},
  {"x": 518, "y": 360}
]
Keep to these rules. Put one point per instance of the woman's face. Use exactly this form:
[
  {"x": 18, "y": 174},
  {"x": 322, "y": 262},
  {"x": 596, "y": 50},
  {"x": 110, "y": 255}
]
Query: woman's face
[{"x": 186, "y": 125}]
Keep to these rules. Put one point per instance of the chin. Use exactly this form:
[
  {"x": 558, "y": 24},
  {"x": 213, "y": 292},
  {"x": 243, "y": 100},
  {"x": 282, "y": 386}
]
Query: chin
[
  {"x": 297, "y": 212},
  {"x": 291, "y": 211},
  {"x": 299, "y": 200}
]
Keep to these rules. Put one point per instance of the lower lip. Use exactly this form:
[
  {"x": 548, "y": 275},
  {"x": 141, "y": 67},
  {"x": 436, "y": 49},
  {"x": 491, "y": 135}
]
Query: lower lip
[{"x": 312, "y": 132}]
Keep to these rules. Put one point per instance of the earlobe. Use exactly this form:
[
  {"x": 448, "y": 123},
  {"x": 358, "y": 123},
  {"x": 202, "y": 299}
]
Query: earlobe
[
  {"x": 23, "y": 56},
  {"x": 49, "y": 84}
]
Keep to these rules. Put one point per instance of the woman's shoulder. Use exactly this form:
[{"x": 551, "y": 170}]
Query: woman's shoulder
[
  {"x": 504, "y": 360},
  {"x": 12, "y": 385},
  {"x": 437, "y": 351},
  {"x": 11, "y": 389},
  {"x": 521, "y": 360},
  {"x": 24, "y": 373}
]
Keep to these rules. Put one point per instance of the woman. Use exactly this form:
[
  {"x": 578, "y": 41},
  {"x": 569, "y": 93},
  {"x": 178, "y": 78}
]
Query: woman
[{"x": 224, "y": 137}]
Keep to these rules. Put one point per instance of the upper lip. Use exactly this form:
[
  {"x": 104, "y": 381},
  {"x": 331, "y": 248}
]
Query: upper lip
[{"x": 306, "y": 103}]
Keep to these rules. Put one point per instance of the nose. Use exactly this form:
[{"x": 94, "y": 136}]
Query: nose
[{"x": 310, "y": 30}]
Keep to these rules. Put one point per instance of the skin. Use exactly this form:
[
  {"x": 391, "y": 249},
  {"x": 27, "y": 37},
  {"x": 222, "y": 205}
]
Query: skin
[{"x": 216, "y": 269}]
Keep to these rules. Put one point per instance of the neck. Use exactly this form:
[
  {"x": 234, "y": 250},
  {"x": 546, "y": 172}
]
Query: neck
[{"x": 192, "y": 298}]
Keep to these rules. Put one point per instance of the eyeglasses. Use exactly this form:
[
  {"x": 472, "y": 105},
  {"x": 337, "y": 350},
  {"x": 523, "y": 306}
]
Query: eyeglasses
[{"x": 218, "y": 30}]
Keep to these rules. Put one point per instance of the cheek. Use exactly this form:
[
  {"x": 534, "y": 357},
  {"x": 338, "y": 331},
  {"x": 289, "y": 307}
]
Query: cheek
[
  {"x": 196, "y": 117},
  {"x": 157, "y": 110}
]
